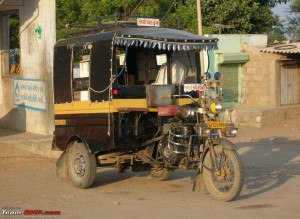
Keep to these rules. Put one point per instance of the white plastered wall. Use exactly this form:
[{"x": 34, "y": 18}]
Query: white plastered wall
[{"x": 36, "y": 54}]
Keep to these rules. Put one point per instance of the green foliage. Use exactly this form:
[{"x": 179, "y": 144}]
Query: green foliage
[
  {"x": 71, "y": 11},
  {"x": 244, "y": 16},
  {"x": 272, "y": 3},
  {"x": 239, "y": 16},
  {"x": 67, "y": 11},
  {"x": 276, "y": 34},
  {"x": 188, "y": 12},
  {"x": 293, "y": 27},
  {"x": 14, "y": 27},
  {"x": 152, "y": 8}
]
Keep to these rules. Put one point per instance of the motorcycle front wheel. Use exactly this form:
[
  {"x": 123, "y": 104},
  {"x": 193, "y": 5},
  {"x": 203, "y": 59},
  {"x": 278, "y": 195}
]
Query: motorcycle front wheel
[{"x": 224, "y": 182}]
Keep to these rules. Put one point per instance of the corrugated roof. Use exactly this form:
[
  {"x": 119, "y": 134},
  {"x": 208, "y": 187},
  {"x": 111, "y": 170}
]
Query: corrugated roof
[{"x": 290, "y": 48}]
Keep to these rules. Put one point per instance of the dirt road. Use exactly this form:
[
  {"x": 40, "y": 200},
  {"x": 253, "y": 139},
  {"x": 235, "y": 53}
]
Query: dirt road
[{"x": 271, "y": 158}]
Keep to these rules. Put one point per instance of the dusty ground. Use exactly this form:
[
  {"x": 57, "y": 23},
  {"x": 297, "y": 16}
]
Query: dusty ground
[{"x": 271, "y": 157}]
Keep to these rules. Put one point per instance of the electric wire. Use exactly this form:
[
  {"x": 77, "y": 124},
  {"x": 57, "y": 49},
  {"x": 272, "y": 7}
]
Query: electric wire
[
  {"x": 169, "y": 9},
  {"x": 136, "y": 7}
]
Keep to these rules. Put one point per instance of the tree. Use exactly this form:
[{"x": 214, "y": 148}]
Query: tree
[
  {"x": 276, "y": 34},
  {"x": 67, "y": 11},
  {"x": 293, "y": 26},
  {"x": 239, "y": 16},
  {"x": 71, "y": 11},
  {"x": 14, "y": 28},
  {"x": 242, "y": 16}
]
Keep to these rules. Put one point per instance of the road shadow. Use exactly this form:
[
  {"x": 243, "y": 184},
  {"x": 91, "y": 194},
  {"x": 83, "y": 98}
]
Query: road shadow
[
  {"x": 110, "y": 175},
  {"x": 268, "y": 164},
  {"x": 8, "y": 127},
  {"x": 107, "y": 176}
]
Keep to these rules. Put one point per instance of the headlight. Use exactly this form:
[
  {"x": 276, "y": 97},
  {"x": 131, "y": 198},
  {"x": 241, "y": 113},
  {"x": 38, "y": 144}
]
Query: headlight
[
  {"x": 216, "y": 107},
  {"x": 219, "y": 106},
  {"x": 231, "y": 131}
]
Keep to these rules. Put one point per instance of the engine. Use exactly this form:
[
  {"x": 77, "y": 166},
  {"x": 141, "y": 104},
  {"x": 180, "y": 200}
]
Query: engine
[
  {"x": 193, "y": 122},
  {"x": 178, "y": 144}
]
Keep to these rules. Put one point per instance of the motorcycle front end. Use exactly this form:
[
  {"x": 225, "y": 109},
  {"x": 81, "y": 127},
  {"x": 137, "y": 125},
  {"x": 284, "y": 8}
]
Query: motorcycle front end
[
  {"x": 197, "y": 139},
  {"x": 221, "y": 167}
]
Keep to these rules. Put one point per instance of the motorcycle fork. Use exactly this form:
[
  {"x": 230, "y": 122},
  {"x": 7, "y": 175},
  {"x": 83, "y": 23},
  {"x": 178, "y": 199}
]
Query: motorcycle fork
[{"x": 213, "y": 157}]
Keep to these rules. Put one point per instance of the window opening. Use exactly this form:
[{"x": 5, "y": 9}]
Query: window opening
[
  {"x": 122, "y": 70},
  {"x": 177, "y": 68},
  {"x": 81, "y": 74},
  {"x": 10, "y": 45},
  {"x": 140, "y": 66}
]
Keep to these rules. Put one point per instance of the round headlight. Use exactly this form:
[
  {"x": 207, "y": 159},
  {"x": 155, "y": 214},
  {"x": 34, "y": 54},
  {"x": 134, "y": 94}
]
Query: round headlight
[
  {"x": 219, "y": 106},
  {"x": 213, "y": 108},
  {"x": 216, "y": 107}
]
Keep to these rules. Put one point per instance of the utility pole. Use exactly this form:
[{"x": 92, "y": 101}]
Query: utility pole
[
  {"x": 199, "y": 18},
  {"x": 124, "y": 4},
  {"x": 199, "y": 15}
]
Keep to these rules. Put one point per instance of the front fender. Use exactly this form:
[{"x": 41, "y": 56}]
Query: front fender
[
  {"x": 225, "y": 143},
  {"x": 78, "y": 138},
  {"x": 61, "y": 164},
  {"x": 222, "y": 142}
]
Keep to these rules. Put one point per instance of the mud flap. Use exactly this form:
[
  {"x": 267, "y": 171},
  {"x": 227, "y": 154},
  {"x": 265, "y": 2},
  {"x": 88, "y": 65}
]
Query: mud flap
[
  {"x": 199, "y": 185},
  {"x": 61, "y": 165}
]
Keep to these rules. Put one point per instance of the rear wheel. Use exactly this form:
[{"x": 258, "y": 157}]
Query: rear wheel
[
  {"x": 161, "y": 174},
  {"x": 81, "y": 165},
  {"x": 225, "y": 184}
]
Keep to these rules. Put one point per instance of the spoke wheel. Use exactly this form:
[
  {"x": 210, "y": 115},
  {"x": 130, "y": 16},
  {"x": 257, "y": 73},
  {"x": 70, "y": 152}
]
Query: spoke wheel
[
  {"x": 225, "y": 184},
  {"x": 81, "y": 166}
]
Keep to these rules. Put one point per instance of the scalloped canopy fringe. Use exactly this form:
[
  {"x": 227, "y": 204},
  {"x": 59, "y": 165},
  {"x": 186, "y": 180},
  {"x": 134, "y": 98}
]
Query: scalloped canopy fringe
[{"x": 167, "y": 45}]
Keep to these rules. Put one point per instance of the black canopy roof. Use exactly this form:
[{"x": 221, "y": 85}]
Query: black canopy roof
[{"x": 148, "y": 37}]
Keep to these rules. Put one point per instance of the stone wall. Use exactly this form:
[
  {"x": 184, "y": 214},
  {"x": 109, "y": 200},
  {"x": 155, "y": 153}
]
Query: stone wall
[
  {"x": 260, "y": 79},
  {"x": 262, "y": 117}
]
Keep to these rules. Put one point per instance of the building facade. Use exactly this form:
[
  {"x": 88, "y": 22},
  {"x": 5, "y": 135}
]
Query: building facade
[
  {"x": 261, "y": 82},
  {"x": 229, "y": 60},
  {"x": 27, "y": 38}
]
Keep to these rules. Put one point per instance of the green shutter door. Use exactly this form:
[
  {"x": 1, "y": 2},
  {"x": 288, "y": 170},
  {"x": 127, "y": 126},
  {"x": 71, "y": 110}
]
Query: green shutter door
[{"x": 230, "y": 82}]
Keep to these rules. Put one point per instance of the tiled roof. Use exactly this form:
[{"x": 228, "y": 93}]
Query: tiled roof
[{"x": 290, "y": 48}]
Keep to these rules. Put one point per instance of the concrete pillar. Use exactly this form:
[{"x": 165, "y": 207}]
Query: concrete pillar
[{"x": 37, "y": 39}]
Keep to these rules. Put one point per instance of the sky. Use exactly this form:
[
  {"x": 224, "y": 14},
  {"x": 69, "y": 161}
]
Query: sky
[{"x": 282, "y": 10}]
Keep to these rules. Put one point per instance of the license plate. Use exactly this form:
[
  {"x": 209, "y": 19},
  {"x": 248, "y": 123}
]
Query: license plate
[
  {"x": 60, "y": 122},
  {"x": 215, "y": 125}
]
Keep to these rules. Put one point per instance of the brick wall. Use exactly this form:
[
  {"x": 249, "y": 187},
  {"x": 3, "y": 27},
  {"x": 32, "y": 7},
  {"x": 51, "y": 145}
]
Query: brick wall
[{"x": 260, "y": 78}]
